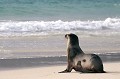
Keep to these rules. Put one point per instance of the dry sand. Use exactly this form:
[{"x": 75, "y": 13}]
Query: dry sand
[{"x": 112, "y": 69}]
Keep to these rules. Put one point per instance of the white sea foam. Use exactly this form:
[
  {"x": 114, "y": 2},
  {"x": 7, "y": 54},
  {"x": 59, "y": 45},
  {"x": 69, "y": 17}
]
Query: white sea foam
[{"x": 46, "y": 27}]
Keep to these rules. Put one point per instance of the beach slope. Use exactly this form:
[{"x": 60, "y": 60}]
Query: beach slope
[{"x": 112, "y": 69}]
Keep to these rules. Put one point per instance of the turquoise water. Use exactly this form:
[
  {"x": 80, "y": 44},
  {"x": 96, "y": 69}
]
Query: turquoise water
[
  {"x": 36, "y": 17},
  {"x": 59, "y": 9}
]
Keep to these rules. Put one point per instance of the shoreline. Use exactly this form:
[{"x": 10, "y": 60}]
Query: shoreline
[{"x": 21, "y": 63}]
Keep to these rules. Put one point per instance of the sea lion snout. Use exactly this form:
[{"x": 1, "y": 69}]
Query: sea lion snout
[{"x": 66, "y": 36}]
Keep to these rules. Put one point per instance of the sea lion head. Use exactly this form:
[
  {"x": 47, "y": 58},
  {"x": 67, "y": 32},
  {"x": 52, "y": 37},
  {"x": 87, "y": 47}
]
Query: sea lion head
[{"x": 72, "y": 38}]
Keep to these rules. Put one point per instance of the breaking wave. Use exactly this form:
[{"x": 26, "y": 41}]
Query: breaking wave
[{"x": 46, "y": 27}]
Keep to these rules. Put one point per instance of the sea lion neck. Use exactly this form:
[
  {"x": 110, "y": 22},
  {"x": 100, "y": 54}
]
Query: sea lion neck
[{"x": 74, "y": 46}]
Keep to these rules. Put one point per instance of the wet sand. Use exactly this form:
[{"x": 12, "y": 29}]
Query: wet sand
[{"x": 40, "y": 44}]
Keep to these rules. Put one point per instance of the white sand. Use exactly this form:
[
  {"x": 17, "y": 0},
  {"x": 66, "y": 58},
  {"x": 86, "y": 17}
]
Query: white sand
[{"x": 112, "y": 69}]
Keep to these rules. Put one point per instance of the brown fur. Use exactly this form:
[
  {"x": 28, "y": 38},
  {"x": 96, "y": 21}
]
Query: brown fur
[{"x": 78, "y": 60}]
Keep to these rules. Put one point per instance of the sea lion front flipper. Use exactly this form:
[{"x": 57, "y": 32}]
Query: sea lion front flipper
[
  {"x": 65, "y": 71},
  {"x": 69, "y": 69}
]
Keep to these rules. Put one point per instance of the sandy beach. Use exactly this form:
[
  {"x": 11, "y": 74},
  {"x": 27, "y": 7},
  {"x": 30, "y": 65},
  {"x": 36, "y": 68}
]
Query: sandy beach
[
  {"x": 112, "y": 69},
  {"x": 43, "y": 61},
  {"x": 32, "y": 37}
]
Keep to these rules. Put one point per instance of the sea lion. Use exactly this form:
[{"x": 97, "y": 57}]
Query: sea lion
[{"x": 78, "y": 60}]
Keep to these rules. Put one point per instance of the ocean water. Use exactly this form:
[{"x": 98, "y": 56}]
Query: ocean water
[
  {"x": 59, "y": 9},
  {"x": 41, "y": 17},
  {"x": 53, "y": 17}
]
